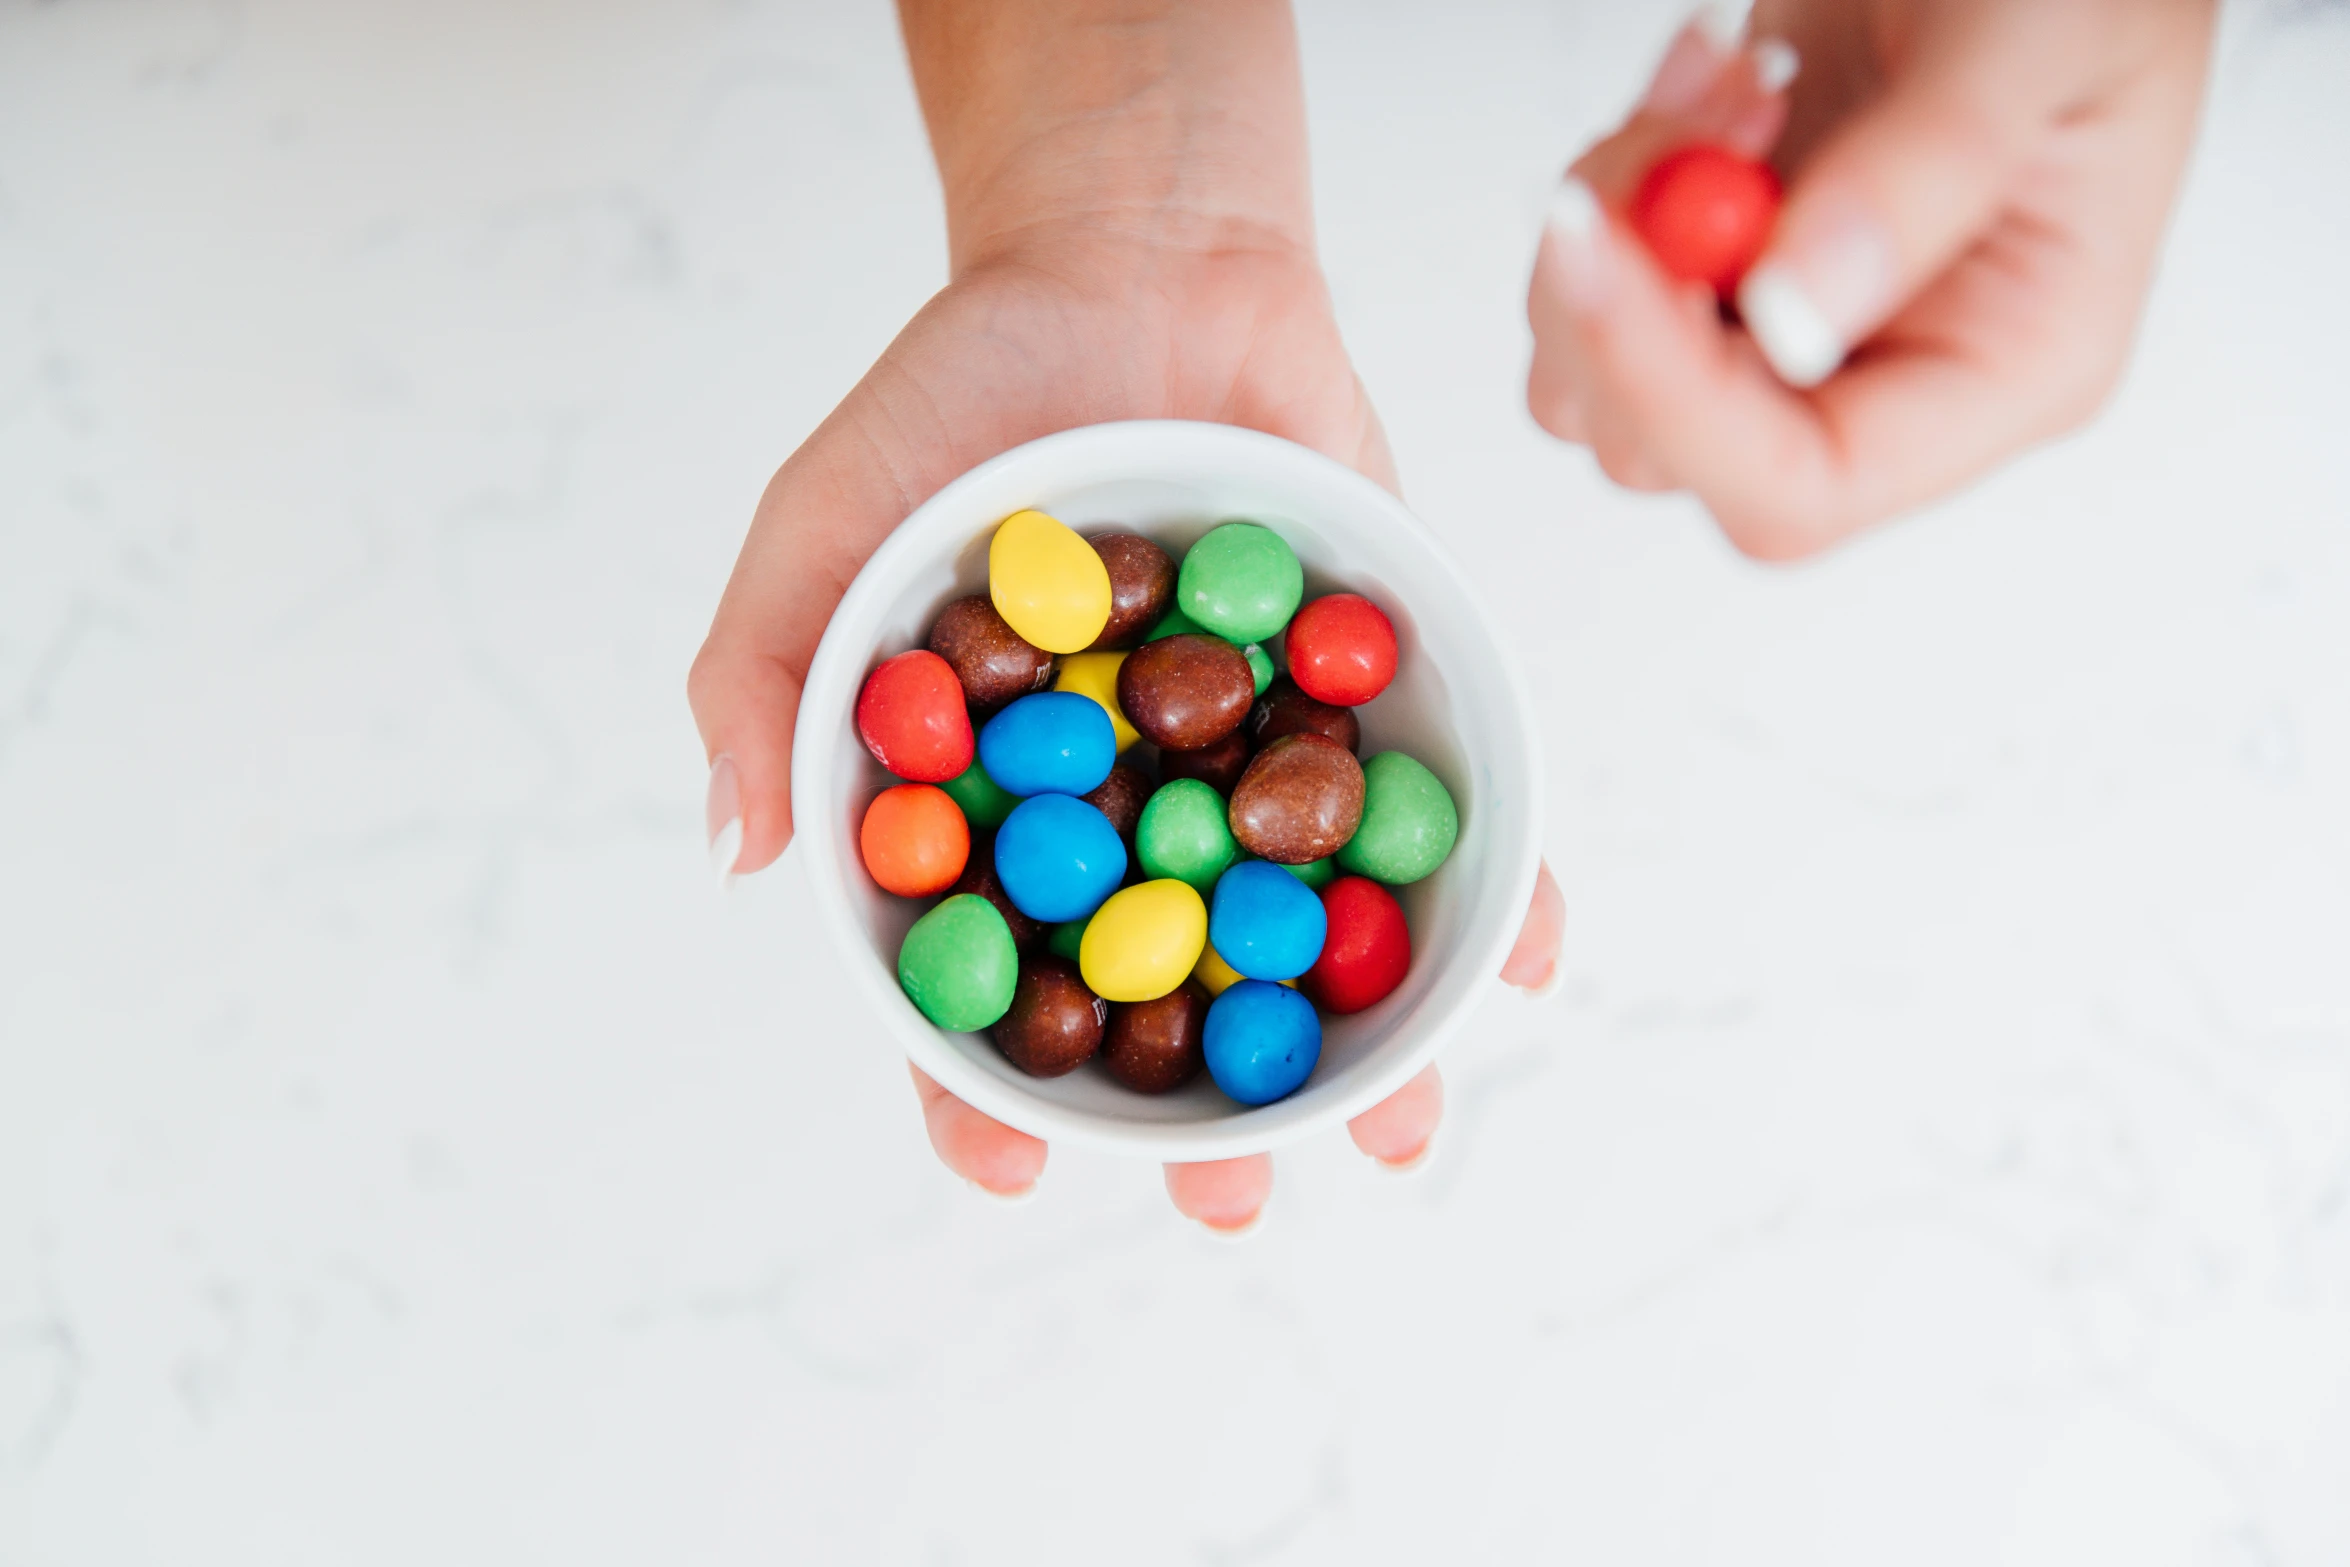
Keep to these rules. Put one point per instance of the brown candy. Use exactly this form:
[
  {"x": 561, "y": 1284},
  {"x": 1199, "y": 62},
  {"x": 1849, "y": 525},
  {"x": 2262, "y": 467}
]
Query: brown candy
[
  {"x": 1122, "y": 796},
  {"x": 1219, "y": 766},
  {"x": 1285, "y": 710},
  {"x": 1055, "y": 1023},
  {"x": 1187, "y": 691},
  {"x": 979, "y": 877},
  {"x": 1301, "y": 799},
  {"x": 1156, "y": 1045},
  {"x": 1142, "y": 585},
  {"x": 994, "y": 663}
]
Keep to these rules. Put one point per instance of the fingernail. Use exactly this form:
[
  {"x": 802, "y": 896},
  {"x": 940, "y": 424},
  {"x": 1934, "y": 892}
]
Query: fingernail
[
  {"x": 1547, "y": 987},
  {"x": 1775, "y": 63},
  {"x": 722, "y": 818},
  {"x": 1691, "y": 65},
  {"x": 1415, "y": 1164},
  {"x": 1577, "y": 229},
  {"x": 1721, "y": 21},
  {"x": 1236, "y": 1232},
  {"x": 1008, "y": 1199},
  {"x": 1821, "y": 288}
]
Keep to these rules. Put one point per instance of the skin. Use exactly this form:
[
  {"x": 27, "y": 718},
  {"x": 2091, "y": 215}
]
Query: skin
[
  {"x": 1976, "y": 193},
  {"x": 1130, "y": 236}
]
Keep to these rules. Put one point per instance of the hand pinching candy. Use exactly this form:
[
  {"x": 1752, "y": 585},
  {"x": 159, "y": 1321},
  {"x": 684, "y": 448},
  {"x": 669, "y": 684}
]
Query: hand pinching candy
[{"x": 1705, "y": 213}]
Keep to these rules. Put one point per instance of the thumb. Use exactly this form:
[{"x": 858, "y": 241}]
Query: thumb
[{"x": 1903, "y": 185}]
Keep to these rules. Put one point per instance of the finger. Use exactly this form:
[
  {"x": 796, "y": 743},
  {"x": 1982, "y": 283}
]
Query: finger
[
  {"x": 1534, "y": 959},
  {"x": 979, "y": 1148},
  {"x": 1226, "y": 1195},
  {"x": 1399, "y": 1130},
  {"x": 1906, "y": 183}
]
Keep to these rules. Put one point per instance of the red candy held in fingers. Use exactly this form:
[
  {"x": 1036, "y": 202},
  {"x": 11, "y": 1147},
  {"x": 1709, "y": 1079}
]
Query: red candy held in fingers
[
  {"x": 1367, "y": 951},
  {"x": 1705, "y": 213},
  {"x": 1341, "y": 649},
  {"x": 910, "y": 716}
]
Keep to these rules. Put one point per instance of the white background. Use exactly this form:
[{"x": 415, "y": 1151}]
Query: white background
[{"x": 1939, "y": 1151}]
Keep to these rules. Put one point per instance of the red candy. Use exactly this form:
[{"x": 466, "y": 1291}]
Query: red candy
[
  {"x": 911, "y": 717},
  {"x": 1367, "y": 951},
  {"x": 1706, "y": 213},
  {"x": 1341, "y": 650}
]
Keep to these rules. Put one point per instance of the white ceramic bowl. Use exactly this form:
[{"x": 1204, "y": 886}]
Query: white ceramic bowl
[{"x": 1456, "y": 704}]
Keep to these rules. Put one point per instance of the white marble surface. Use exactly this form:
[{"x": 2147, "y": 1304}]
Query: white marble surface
[{"x": 1939, "y": 1152}]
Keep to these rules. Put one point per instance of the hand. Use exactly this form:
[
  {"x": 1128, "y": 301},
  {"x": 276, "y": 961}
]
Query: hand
[
  {"x": 1070, "y": 325},
  {"x": 1976, "y": 193}
]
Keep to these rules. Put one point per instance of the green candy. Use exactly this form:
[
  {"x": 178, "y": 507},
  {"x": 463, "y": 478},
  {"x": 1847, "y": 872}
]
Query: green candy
[
  {"x": 1241, "y": 581},
  {"x": 1260, "y": 666},
  {"x": 1409, "y": 823},
  {"x": 1174, "y": 623},
  {"x": 958, "y": 964},
  {"x": 1183, "y": 833},
  {"x": 1316, "y": 874},
  {"x": 985, "y": 802},
  {"x": 1066, "y": 939}
]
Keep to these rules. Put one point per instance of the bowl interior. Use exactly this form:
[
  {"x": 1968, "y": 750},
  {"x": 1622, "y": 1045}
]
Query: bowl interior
[{"x": 1454, "y": 705}]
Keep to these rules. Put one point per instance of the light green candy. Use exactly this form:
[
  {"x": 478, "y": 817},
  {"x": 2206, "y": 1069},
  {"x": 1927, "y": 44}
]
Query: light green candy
[
  {"x": 1241, "y": 581},
  {"x": 1260, "y": 666},
  {"x": 985, "y": 802},
  {"x": 1409, "y": 823},
  {"x": 1316, "y": 874},
  {"x": 1183, "y": 833},
  {"x": 958, "y": 964},
  {"x": 1068, "y": 938},
  {"x": 1174, "y": 623}
]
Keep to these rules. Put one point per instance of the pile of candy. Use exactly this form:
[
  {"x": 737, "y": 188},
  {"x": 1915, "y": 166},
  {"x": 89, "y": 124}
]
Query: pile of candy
[{"x": 1090, "y": 912}]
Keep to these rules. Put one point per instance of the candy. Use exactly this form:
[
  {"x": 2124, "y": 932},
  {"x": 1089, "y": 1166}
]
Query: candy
[
  {"x": 1054, "y": 1024},
  {"x": 979, "y": 877},
  {"x": 1240, "y": 581},
  {"x": 1705, "y": 213},
  {"x": 958, "y": 965},
  {"x": 1265, "y": 922},
  {"x": 1096, "y": 675},
  {"x": 985, "y": 802},
  {"x": 1058, "y": 858},
  {"x": 1261, "y": 1041},
  {"x": 1055, "y": 742},
  {"x": 910, "y": 716},
  {"x": 1409, "y": 823},
  {"x": 1185, "y": 692},
  {"x": 1183, "y": 834},
  {"x": 1142, "y": 585},
  {"x": 1341, "y": 650},
  {"x": 1217, "y": 975},
  {"x": 1368, "y": 950},
  {"x": 1316, "y": 874},
  {"x": 1174, "y": 623},
  {"x": 1285, "y": 710},
  {"x": 1143, "y": 941},
  {"x": 1068, "y": 938},
  {"x": 1047, "y": 582},
  {"x": 1300, "y": 800},
  {"x": 1219, "y": 766},
  {"x": 1157, "y": 1045},
  {"x": 914, "y": 840},
  {"x": 1121, "y": 797},
  {"x": 1260, "y": 666},
  {"x": 991, "y": 660}
]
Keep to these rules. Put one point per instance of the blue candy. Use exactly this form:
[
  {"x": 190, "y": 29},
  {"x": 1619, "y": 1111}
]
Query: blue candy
[
  {"x": 1265, "y": 922},
  {"x": 1262, "y": 1040},
  {"x": 1058, "y": 858},
  {"x": 1055, "y": 742}
]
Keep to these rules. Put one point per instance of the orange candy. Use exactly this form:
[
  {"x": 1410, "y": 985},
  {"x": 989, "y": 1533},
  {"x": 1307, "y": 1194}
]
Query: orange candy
[{"x": 914, "y": 840}]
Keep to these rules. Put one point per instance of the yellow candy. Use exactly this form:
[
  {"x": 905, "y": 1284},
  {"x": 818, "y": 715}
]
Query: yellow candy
[
  {"x": 1047, "y": 583},
  {"x": 1096, "y": 675},
  {"x": 1140, "y": 944},
  {"x": 1218, "y": 975}
]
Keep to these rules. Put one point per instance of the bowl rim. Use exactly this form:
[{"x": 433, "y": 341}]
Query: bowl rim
[{"x": 835, "y": 674}]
